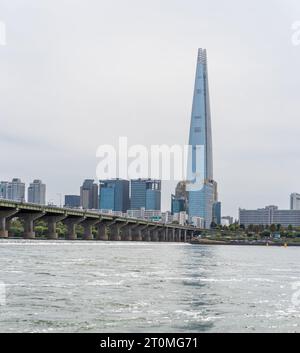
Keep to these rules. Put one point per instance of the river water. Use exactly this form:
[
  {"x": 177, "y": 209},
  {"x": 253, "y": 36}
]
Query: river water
[{"x": 82, "y": 286}]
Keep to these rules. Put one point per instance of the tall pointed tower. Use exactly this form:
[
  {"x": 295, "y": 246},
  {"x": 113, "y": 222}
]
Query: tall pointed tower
[{"x": 201, "y": 186}]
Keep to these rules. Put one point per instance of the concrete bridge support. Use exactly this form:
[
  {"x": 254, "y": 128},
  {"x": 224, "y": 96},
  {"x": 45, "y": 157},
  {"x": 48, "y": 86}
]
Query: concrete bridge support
[
  {"x": 4, "y": 222},
  {"x": 87, "y": 225},
  {"x": 137, "y": 232},
  {"x": 173, "y": 234},
  {"x": 161, "y": 234},
  {"x": 126, "y": 233},
  {"x": 177, "y": 235},
  {"x": 169, "y": 234},
  {"x": 29, "y": 219},
  {"x": 71, "y": 224},
  {"x": 184, "y": 235},
  {"x": 115, "y": 231},
  {"x": 52, "y": 222},
  {"x": 154, "y": 234},
  {"x": 102, "y": 230},
  {"x": 143, "y": 232},
  {"x": 146, "y": 234}
]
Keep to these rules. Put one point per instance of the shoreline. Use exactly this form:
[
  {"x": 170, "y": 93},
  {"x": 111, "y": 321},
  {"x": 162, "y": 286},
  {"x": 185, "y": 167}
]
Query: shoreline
[{"x": 244, "y": 243}]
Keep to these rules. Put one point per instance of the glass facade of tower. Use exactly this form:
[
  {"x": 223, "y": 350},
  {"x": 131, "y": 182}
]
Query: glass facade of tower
[
  {"x": 114, "y": 195},
  {"x": 145, "y": 193},
  {"x": 200, "y": 161}
]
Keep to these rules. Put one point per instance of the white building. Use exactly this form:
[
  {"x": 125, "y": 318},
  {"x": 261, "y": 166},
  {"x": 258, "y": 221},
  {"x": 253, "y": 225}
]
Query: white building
[
  {"x": 198, "y": 222},
  {"x": 180, "y": 217},
  {"x": 269, "y": 215},
  {"x": 295, "y": 201}
]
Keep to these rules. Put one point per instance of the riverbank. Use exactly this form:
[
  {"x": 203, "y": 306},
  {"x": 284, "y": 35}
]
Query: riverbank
[{"x": 201, "y": 241}]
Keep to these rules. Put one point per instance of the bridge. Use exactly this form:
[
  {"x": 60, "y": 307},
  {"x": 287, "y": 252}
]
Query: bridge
[{"x": 108, "y": 227}]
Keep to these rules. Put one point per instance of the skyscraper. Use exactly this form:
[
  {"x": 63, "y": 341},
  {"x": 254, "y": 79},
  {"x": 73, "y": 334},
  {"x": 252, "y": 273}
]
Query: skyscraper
[
  {"x": 89, "y": 194},
  {"x": 14, "y": 190},
  {"x": 201, "y": 187},
  {"x": 179, "y": 201},
  {"x": 145, "y": 193},
  {"x": 37, "y": 192},
  {"x": 114, "y": 195},
  {"x": 217, "y": 214}
]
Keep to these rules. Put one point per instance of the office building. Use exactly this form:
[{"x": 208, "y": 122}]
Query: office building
[
  {"x": 178, "y": 204},
  {"x": 145, "y": 193},
  {"x": 89, "y": 194},
  {"x": 295, "y": 201},
  {"x": 37, "y": 192},
  {"x": 217, "y": 213},
  {"x": 114, "y": 195},
  {"x": 72, "y": 201},
  {"x": 14, "y": 190},
  {"x": 269, "y": 215}
]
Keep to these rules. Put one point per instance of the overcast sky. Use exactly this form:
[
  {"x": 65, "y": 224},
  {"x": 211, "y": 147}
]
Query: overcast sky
[{"x": 80, "y": 73}]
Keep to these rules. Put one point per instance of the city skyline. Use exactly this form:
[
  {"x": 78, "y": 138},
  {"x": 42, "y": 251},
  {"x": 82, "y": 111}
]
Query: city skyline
[{"x": 254, "y": 102}]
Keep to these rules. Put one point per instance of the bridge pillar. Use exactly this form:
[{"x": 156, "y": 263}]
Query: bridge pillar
[
  {"x": 29, "y": 219},
  {"x": 169, "y": 234},
  {"x": 115, "y": 234},
  {"x": 143, "y": 233},
  {"x": 146, "y": 234},
  {"x": 52, "y": 222},
  {"x": 4, "y": 223},
  {"x": 88, "y": 228},
  {"x": 137, "y": 232},
  {"x": 126, "y": 234},
  {"x": 161, "y": 234},
  {"x": 154, "y": 235},
  {"x": 177, "y": 234},
  {"x": 102, "y": 230},
  {"x": 71, "y": 224},
  {"x": 173, "y": 234},
  {"x": 185, "y": 235}
]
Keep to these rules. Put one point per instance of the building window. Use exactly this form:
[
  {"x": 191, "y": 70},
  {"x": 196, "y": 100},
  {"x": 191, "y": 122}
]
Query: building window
[
  {"x": 199, "y": 91},
  {"x": 197, "y": 129},
  {"x": 197, "y": 117}
]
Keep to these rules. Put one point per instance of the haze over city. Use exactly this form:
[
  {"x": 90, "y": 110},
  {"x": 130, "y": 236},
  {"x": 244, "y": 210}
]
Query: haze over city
[{"x": 81, "y": 74}]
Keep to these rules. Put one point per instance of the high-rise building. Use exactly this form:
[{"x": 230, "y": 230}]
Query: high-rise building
[
  {"x": 37, "y": 192},
  {"x": 72, "y": 201},
  {"x": 178, "y": 204},
  {"x": 89, "y": 194},
  {"x": 145, "y": 193},
  {"x": 217, "y": 212},
  {"x": 114, "y": 195},
  {"x": 201, "y": 187},
  {"x": 179, "y": 201},
  {"x": 4, "y": 189},
  {"x": 295, "y": 201},
  {"x": 14, "y": 190}
]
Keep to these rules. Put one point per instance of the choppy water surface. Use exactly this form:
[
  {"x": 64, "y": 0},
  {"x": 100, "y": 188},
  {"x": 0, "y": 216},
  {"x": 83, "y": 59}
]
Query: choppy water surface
[{"x": 77, "y": 286}]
